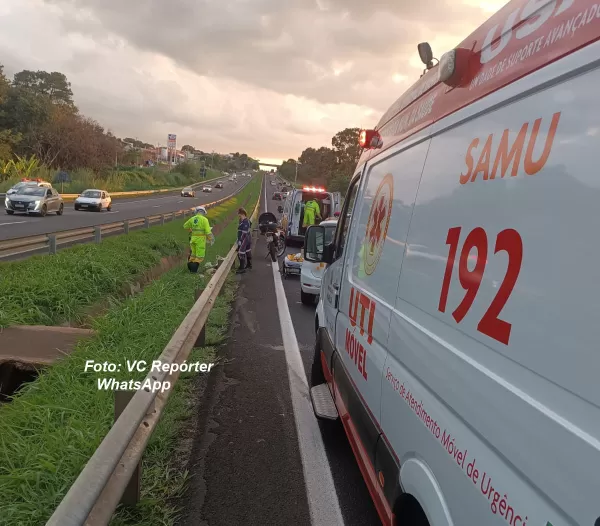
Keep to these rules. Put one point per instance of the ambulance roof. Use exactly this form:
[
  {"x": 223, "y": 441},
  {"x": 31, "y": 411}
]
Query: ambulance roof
[{"x": 535, "y": 33}]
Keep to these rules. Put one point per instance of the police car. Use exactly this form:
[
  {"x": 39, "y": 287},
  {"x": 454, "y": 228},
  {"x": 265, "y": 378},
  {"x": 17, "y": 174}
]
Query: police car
[{"x": 457, "y": 326}]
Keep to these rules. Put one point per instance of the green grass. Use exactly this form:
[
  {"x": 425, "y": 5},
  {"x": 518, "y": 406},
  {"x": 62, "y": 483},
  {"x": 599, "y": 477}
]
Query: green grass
[
  {"x": 47, "y": 290},
  {"x": 127, "y": 180},
  {"x": 55, "y": 423}
]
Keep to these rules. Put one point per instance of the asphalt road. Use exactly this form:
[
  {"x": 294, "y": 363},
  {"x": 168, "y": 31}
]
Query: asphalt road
[
  {"x": 254, "y": 460},
  {"x": 20, "y": 225}
]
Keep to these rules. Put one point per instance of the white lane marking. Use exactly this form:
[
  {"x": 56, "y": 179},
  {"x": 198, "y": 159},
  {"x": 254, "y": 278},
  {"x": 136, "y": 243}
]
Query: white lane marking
[
  {"x": 157, "y": 206},
  {"x": 14, "y": 223},
  {"x": 320, "y": 491}
]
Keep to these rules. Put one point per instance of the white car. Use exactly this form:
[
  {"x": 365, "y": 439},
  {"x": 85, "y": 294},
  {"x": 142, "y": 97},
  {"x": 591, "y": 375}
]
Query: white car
[
  {"x": 207, "y": 188},
  {"x": 94, "y": 199},
  {"x": 312, "y": 271}
]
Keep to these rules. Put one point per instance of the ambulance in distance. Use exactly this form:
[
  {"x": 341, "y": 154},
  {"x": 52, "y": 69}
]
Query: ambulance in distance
[{"x": 458, "y": 326}]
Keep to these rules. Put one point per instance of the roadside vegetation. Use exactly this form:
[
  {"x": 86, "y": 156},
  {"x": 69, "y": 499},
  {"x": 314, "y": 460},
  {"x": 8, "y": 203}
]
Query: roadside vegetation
[
  {"x": 54, "y": 424},
  {"x": 48, "y": 290},
  {"x": 43, "y": 134},
  {"x": 115, "y": 180},
  {"x": 330, "y": 167}
]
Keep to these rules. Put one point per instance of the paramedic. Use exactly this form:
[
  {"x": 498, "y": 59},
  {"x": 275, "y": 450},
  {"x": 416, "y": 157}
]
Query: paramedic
[
  {"x": 244, "y": 242},
  {"x": 311, "y": 212},
  {"x": 199, "y": 228}
]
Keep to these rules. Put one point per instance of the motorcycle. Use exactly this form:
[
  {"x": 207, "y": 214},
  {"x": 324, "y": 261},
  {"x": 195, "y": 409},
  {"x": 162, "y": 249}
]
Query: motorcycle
[{"x": 275, "y": 236}]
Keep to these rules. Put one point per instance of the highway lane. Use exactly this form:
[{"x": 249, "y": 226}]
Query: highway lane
[
  {"x": 355, "y": 502},
  {"x": 252, "y": 461},
  {"x": 20, "y": 225}
]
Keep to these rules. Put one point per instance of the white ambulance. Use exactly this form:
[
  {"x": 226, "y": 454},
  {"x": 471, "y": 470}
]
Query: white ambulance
[{"x": 458, "y": 327}]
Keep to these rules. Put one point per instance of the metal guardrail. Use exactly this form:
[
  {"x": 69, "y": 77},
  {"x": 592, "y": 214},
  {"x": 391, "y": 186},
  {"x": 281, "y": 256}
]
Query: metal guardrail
[
  {"x": 113, "y": 470},
  {"x": 50, "y": 243}
]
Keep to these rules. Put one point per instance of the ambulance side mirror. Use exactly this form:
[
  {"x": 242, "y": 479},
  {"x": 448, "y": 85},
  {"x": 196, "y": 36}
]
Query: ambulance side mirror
[
  {"x": 313, "y": 244},
  {"x": 328, "y": 253}
]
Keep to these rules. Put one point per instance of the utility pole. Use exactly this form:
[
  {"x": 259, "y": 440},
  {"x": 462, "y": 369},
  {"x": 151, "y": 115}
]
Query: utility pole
[{"x": 296, "y": 178}]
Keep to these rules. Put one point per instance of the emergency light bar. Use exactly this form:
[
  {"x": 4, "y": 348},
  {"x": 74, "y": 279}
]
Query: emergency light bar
[
  {"x": 370, "y": 139},
  {"x": 313, "y": 189}
]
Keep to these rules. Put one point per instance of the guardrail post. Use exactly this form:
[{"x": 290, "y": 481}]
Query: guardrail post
[
  {"x": 52, "y": 243},
  {"x": 201, "y": 341},
  {"x": 162, "y": 219},
  {"x": 131, "y": 495},
  {"x": 97, "y": 234},
  {"x": 147, "y": 222},
  {"x": 126, "y": 227}
]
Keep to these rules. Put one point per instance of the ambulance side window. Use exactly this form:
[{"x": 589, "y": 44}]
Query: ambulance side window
[{"x": 345, "y": 221}]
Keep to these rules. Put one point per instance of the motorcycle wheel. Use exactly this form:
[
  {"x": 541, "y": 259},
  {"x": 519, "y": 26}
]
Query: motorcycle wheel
[
  {"x": 280, "y": 246},
  {"x": 273, "y": 251}
]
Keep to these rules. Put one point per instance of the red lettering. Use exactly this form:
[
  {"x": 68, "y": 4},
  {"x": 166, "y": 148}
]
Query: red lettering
[
  {"x": 353, "y": 303},
  {"x": 371, "y": 319},
  {"x": 483, "y": 164},
  {"x": 504, "y": 158},
  {"x": 365, "y": 303},
  {"x": 532, "y": 167},
  {"x": 508, "y": 241},
  {"x": 507, "y": 155},
  {"x": 464, "y": 178}
]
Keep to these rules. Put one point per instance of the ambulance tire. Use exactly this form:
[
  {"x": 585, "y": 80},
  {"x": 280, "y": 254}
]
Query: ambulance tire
[{"x": 408, "y": 511}]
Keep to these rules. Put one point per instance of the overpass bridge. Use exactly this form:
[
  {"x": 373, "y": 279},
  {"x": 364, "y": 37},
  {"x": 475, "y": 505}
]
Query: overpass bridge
[{"x": 260, "y": 163}]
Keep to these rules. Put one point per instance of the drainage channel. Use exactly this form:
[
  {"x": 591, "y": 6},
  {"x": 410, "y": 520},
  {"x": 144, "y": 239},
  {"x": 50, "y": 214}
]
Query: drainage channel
[{"x": 14, "y": 376}]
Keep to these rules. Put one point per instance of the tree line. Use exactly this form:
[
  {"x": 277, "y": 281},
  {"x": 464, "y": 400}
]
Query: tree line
[
  {"x": 40, "y": 121},
  {"x": 330, "y": 167}
]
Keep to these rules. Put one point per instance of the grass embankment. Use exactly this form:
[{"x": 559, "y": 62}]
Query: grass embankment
[
  {"x": 48, "y": 290},
  {"x": 54, "y": 424},
  {"x": 138, "y": 179}
]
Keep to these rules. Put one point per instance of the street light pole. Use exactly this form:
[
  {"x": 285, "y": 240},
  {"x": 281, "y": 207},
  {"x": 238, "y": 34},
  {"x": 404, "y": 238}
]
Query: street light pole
[{"x": 296, "y": 178}]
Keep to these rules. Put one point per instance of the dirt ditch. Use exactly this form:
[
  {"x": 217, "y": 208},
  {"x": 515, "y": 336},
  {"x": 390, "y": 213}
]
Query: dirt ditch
[{"x": 26, "y": 350}]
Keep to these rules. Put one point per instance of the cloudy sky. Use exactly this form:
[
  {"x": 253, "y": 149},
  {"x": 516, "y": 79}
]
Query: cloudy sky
[{"x": 265, "y": 77}]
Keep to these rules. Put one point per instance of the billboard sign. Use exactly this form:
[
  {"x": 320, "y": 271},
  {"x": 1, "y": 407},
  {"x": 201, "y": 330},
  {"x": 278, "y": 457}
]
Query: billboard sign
[{"x": 172, "y": 141}]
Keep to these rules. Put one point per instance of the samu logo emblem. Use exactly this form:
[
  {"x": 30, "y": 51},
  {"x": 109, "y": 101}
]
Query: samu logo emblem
[{"x": 378, "y": 223}]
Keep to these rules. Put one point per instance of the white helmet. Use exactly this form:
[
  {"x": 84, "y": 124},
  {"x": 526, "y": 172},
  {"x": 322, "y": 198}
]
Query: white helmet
[{"x": 200, "y": 210}]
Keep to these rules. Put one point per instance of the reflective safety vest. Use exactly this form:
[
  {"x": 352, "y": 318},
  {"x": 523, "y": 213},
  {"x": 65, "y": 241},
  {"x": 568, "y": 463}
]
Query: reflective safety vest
[
  {"x": 311, "y": 211},
  {"x": 199, "y": 226}
]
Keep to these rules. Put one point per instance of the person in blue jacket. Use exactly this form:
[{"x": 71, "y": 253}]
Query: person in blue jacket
[{"x": 244, "y": 242}]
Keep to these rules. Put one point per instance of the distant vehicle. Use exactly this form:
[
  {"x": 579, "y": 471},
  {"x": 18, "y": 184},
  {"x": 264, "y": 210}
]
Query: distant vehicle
[
  {"x": 28, "y": 182},
  {"x": 207, "y": 188},
  {"x": 277, "y": 196},
  {"x": 219, "y": 185},
  {"x": 293, "y": 209},
  {"x": 94, "y": 199},
  {"x": 188, "y": 191},
  {"x": 273, "y": 183},
  {"x": 231, "y": 178},
  {"x": 34, "y": 199},
  {"x": 312, "y": 272}
]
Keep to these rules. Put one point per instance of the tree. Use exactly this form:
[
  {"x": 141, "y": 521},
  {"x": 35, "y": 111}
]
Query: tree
[
  {"x": 188, "y": 148},
  {"x": 53, "y": 85},
  {"x": 8, "y": 139},
  {"x": 347, "y": 149}
]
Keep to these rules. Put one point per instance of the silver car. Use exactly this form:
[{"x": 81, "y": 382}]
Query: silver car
[
  {"x": 37, "y": 200},
  {"x": 28, "y": 182}
]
